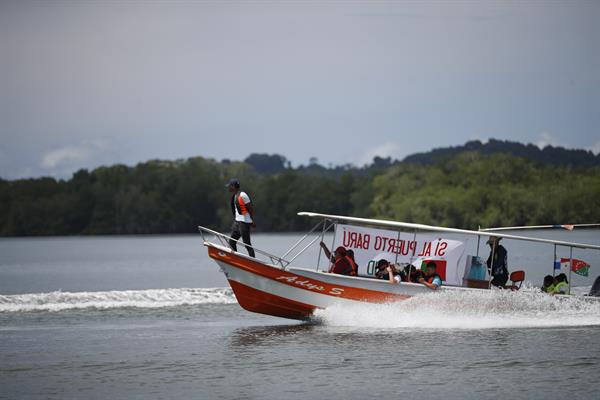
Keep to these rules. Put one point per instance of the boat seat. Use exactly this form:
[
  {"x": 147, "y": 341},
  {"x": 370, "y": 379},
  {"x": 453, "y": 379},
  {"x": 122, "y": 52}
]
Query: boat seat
[{"x": 516, "y": 277}]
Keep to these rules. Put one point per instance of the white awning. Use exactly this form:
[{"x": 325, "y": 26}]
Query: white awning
[{"x": 430, "y": 228}]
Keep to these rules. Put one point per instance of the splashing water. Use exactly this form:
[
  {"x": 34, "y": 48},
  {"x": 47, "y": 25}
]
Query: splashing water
[
  {"x": 152, "y": 298},
  {"x": 483, "y": 309}
]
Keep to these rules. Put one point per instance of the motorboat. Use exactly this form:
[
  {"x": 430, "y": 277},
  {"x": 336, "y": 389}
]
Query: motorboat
[{"x": 275, "y": 285}]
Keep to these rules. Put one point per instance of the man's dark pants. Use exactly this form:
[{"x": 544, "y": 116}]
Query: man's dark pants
[
  {"x": 499, "y": 280},
  {"x": 241, "y": 229}
]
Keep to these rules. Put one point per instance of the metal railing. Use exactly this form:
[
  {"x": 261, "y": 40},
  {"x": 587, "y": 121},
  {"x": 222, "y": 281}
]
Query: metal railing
[
  {"x": 322, "y": 224},
  {"x": 225, "y": 241}
]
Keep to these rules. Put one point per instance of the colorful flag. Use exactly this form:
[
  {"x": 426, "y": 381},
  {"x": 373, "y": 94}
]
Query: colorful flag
[
  {"x": 556, "y": 265},
  {"x": 580, "y": 267}
]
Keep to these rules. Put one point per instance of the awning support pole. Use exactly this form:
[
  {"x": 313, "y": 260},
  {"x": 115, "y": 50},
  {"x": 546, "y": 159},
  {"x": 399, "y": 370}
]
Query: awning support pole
[
  {"x": 412, "y": 256},
  {"x": 304, "y": 249},
  {"x": 335, "y": 225},
  {"x": 302, "y": 239},
  {"x": 553, "y": 262},
  {"x": 491, "y": 267},
  {"x": 320, "y": 249},
  {"x": 570, "y": 267},
  {"x": 397, "y": 247}
]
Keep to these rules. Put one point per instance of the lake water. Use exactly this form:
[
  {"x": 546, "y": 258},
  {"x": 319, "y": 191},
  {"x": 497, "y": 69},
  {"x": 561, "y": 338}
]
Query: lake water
[{"x": 152, "y": 317}]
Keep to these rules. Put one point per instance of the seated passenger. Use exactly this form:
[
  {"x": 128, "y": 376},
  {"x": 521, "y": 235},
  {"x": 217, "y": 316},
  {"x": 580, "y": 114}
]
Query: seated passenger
[
  {"x": 393, "y": 275},
  {"x": 381, "y": 270},
  {"x": 548, "y": 285},
  {"x": 561, "y": 284},
  {"x": 432, "y": 280},
  {"x": 327, "y": 252},
  {"x": 411, "y": 274},
  {"x": 341, "y": 262},
  {"x": 352, "y": 261},
  {"x": 341, "y": 265}
]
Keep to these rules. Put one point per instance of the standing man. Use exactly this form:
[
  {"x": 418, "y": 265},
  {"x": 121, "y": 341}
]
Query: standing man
[
  {"x": 243, "y": 213},
  {"x": 497, "y": 262}
]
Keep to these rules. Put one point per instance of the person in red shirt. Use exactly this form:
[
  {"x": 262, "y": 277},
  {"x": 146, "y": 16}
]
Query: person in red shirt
[
  {"x": 352, "y": 261},
  {"x": 339, "y": 262}
]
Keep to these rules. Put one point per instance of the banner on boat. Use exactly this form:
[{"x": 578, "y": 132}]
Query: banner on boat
[{"x": 371, "y": 245}]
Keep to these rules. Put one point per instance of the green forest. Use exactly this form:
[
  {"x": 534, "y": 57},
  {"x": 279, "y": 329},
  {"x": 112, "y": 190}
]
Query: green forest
[{"x": 463, "y": 189}]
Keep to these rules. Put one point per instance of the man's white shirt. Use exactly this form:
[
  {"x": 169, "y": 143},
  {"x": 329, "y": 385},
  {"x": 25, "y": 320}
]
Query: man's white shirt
[{"x": 245, "y": 217}]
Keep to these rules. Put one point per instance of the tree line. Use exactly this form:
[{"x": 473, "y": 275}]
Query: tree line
[
  {"x": 576, "y": 158},
  {"x": 462, "y": 190}
]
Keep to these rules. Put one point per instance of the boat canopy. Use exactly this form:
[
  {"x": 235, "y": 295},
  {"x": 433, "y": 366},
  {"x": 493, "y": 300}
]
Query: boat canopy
[
  {"x": 569, "y": 227},
  {"x": 396, "y": 225}
]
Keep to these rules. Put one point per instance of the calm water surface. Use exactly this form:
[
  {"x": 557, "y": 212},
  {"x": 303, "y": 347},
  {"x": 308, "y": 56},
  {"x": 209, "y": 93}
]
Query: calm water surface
[{"x": 150, "y": 317}]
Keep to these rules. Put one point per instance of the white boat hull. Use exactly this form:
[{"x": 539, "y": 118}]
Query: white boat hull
[{"x": 297, "y": 292}]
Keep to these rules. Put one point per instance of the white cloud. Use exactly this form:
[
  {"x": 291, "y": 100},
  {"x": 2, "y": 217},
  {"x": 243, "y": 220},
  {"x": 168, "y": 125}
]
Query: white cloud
[
  {"x": 595, "y": 148},
  {"x": 384, "y": 150},
  {"x": 477, "y": 137},
  {"x": 73, "y": 155},
  {"x": 546, "y": 139},
  {"x": 64, "y": 155}
]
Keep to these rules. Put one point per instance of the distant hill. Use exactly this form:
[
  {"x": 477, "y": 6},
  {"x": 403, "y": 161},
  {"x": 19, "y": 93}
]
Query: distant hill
[
  {"x": 448, "y": 187},
  {"x": 549, "y": 155}
]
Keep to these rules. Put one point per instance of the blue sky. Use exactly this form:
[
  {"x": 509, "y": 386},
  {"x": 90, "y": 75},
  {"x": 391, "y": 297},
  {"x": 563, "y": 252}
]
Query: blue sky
[{"x": 100, "y": 82}]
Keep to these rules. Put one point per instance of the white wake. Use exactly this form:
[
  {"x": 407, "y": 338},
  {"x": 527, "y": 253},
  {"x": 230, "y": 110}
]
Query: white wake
[
  {"x": 152, "y": 298},
  {"x": 467, "y": 310}
]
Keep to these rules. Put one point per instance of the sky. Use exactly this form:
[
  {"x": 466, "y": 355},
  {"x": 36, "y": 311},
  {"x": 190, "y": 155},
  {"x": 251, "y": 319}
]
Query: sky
[{"x": 89, "y": 83}]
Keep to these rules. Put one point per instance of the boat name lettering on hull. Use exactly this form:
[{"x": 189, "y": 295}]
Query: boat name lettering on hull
[{"x": 305, "y": 283}]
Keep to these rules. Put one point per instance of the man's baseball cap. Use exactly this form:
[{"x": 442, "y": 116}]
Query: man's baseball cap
[{"x": 233, "y": 182}]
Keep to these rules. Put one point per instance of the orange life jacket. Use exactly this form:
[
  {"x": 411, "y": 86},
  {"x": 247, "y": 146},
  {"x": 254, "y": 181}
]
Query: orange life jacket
[
  {"x": 354, "y": 271},
  {"x": 341, "y": 266},
  {"x": 240, "y": 205}
]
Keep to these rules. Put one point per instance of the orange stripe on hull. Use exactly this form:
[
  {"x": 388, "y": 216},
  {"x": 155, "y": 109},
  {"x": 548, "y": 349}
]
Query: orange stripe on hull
[
  {"x": 257, "y": 301},
  {"x": 285, "y": 277}
]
